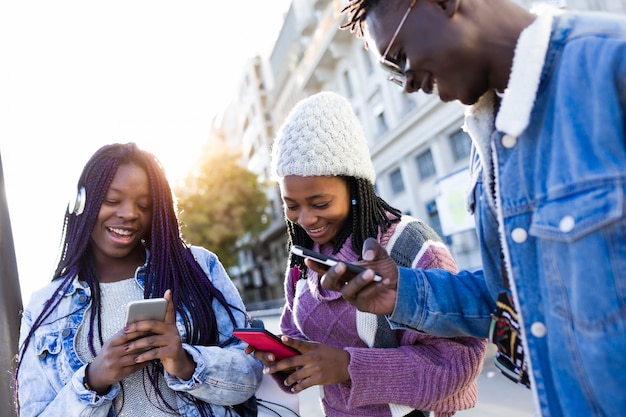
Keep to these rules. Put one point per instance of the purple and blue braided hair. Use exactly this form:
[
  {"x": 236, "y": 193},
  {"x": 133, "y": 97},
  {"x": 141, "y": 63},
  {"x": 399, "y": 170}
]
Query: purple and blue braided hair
[{"x": 171, "y": 266}]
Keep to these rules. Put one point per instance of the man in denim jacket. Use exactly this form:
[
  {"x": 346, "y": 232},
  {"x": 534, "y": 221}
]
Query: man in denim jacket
[{"x": 548, "y": 182}]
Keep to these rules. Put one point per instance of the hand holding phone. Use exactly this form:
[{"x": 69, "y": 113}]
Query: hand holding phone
[
  {"x": 261, "y": 339},
  {"x": 148, "y": 309},
  {"x": 351, "y": 269}
]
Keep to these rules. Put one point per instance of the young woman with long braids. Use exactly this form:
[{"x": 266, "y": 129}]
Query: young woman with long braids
[
  {"x": 121, "y": 242},
  {"x": 365, "y": 367}
]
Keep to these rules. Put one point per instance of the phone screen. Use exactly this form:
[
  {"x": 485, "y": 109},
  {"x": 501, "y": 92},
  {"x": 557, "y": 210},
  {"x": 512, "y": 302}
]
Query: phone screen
[
  {"x": 148, "y": 309},
  {"x": 261, "y": 339}
]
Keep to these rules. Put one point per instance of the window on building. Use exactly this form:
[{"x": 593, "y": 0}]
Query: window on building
[
  {"x": 367, "y": 59},
  {"x": 274, "y": 210},
  {"x": 397, "y": 183},
  {"x": 378, "y": 115},
  {"x": 425, "y": 165},
  {"x": 408, "y": 103},
  {"x": 348, "y": 84},
  {"x": 434, "y": 221},
  {"x": 381, "y": 124},
  {"x": 461, "y": 144}
]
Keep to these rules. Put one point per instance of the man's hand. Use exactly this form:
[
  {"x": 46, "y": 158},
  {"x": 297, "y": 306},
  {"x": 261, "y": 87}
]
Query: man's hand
[{"x": 361, "y": 291}]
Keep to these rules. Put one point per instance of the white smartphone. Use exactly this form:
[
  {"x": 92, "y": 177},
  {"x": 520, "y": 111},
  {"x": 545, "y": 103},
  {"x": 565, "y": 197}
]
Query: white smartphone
[
  {"x": 351, "y": 269},
  {"x": 149, "y": 309}
]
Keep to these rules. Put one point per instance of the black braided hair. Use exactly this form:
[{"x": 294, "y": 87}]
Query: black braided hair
[
  {"x": 171, "y": 266},
  {"x": 368, "y": 216}
]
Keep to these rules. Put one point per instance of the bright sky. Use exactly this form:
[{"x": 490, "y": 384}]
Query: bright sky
[{"x": 76, "y": 75}]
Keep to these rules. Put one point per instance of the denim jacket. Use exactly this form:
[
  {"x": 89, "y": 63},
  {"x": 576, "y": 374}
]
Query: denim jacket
[
  {"x": 51, "y": 373},
  {"x": 548, "y": 192}
]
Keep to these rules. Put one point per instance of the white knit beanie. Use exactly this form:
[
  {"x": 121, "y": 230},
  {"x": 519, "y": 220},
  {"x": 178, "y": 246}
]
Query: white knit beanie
[{"x": 322, "y": 136}]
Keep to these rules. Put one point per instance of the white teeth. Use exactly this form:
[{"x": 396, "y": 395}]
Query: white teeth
[
  {"x": 317, "y": 230},
  {"x": 121, "y": 231}
]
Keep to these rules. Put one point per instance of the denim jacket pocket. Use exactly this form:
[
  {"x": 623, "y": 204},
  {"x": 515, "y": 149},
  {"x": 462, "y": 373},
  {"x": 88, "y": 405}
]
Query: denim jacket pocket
[
  {"x": 46, "y": 344},
  {"x": 582, "y": 254},
  {"x": 574, "y": 216},
  {"x": 48, "y": 347},
  {"x": 52, "y": 349}
]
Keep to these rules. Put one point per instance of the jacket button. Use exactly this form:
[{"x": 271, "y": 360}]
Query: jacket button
[
  {"x": 82, "y": 298},
  {"x": 509, "y": 141},
  {"x": 566, "y": 224},
  {"x": 538, "y": 329},
  {"x": 519, "y": 235},
  {"x": 65, "y": 333}
]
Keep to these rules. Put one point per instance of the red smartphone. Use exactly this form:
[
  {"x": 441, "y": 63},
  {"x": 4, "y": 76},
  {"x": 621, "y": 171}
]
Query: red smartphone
[
  {"x": 351, "y": 269},
  {"x": 262, "y": 339}
]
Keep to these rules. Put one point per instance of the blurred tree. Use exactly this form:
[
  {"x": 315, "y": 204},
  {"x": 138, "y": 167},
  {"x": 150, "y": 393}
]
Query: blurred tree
[{"x": 221, "y": 203}]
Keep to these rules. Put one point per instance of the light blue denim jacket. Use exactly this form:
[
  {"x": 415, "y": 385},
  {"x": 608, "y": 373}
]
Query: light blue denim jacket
[
  {"x": 548, "y": 193},
  {"x": 51, "y": 373}
]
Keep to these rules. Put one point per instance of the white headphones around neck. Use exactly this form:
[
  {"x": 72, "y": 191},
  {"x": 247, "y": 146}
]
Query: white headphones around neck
[{"x": 78, "y": 205}]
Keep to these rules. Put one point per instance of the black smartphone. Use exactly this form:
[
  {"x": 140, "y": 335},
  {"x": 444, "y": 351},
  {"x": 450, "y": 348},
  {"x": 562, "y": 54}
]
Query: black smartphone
[
  {"x": 351, "y": 269},
  {"x": 262, "y": 339}
]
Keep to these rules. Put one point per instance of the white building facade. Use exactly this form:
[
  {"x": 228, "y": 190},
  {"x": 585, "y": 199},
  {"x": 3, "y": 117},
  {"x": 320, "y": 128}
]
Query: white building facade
[{"x": 417, "y": 145}]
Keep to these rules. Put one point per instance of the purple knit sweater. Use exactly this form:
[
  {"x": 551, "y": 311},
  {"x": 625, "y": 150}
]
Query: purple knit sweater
[{"x": 423, "y": 372}]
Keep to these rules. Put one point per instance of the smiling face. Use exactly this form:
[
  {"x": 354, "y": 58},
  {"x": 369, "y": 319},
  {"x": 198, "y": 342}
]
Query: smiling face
[
  {"x": 124, "y": 218},
  {"x": 320, "y": 205},
  {"x": 437, "y": 47}
]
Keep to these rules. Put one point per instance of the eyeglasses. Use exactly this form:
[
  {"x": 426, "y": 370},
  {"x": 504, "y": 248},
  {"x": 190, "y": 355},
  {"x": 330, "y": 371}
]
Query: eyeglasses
[{"x": 390, "y": 64}]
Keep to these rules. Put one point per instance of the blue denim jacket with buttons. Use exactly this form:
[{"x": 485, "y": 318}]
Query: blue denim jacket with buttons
[
  {"x": 548, "y": 193},
  {"x": 51, "y": 373}
]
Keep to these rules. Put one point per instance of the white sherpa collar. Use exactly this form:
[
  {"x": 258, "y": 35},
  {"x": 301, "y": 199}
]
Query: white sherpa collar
[
  {"x": 518, "y": 99},
  {"x": 528, "y": 61}
]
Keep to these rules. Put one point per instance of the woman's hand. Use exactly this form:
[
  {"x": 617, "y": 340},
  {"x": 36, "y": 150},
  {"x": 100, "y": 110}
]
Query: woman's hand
[
  {"x": 266, "y": 358},
  {"x": 113, "y": 363},
  {"x": 318, "y": 364},
  {"x": 162, "y": 340}
]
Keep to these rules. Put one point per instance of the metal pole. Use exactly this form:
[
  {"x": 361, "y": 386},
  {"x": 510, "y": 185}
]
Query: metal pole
[{"x": 10, "y": 305}]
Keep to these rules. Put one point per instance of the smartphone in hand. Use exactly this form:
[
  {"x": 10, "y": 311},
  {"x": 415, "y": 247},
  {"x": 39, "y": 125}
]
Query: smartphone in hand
[
  {"x": 149, "y": 309},
  {"x": 351, "y": 269},
  {"x": 261, "y": 339}
]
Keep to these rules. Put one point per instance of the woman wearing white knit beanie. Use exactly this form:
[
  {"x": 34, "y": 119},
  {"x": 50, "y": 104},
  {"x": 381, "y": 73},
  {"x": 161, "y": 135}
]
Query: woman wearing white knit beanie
[{"x": 321, "y": 160}]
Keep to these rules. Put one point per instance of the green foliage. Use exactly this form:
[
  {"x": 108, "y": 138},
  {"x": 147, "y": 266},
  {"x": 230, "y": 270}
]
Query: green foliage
[{"x": 221, "y": 204}]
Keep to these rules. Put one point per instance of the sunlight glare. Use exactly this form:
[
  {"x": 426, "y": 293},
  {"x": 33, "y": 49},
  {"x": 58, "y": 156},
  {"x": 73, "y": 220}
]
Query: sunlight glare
[{"x": 77, "y": 75}]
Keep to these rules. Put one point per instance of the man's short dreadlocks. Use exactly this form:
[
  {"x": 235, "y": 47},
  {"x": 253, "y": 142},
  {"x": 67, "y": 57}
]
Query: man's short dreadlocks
[{"x": 357, "y": 11}]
